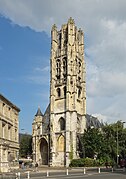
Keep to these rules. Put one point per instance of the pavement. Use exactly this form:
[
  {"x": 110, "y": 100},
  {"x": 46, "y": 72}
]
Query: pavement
[{"x": 64, "y": 169}]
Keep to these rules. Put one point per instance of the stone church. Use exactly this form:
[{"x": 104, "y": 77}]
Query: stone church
[{"x": 56, "y": 133}]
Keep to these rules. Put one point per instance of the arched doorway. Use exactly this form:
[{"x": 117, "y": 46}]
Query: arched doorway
[
  {"x": 61, "y": 150},
  {"x": 44, "y": 151}
]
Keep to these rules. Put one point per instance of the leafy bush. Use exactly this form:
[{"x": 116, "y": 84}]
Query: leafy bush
[
  {"x": 106, "y": 160},
  {"x": 84, "y": 162},
  {"x": 89, "y": 162},
  {"x": 77, "y": 163}
]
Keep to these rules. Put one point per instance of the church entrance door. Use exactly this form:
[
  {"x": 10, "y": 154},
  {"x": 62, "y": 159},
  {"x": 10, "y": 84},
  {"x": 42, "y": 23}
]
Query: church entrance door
[{"x": 44, "y": 151}]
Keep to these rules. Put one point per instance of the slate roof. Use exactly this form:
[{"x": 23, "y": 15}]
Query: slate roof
[
  {"x": 39, "y": 113},
  {"x": 92, "y": 121}
]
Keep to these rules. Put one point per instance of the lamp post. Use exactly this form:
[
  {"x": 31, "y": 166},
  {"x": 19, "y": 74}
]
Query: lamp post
[{"x": 118, "y": 143}]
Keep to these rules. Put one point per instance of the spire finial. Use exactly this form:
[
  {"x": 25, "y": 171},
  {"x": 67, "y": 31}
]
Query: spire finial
[
  {"x": 54, "y": 27},
  {"x": 70, "y": 20}
]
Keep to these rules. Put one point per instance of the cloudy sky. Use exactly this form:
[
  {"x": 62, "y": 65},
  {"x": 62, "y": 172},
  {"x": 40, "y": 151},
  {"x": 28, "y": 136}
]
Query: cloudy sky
[{"x": 25, "y": 53}]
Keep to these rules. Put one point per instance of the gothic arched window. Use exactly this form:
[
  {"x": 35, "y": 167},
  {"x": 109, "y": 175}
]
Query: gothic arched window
[
  {"x": 58, "y": 92},
  {"x": 64, "y": 65},
  {"x": 62, "y": 124},
  {"x": 59, "y": 38},
  {"x": 58, "y": 69}
]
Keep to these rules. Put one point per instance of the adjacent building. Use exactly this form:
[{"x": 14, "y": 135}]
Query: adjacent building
[{"x": 9, "y": 132}]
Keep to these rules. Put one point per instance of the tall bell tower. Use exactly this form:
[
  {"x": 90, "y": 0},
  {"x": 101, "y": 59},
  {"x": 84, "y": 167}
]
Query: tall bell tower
[{"x": 67, "y": 93}]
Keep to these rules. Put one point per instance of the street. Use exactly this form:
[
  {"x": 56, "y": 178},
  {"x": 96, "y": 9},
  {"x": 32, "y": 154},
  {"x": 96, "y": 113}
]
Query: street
[
  {"x": 93, "y": 176},
  {"x": 67, "y": 174}
]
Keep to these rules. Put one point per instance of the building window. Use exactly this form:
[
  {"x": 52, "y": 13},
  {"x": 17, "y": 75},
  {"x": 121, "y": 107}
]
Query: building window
[
  {"x": 62, "y": 124},
  {"x": 3, "y": 108},
  {"x": 9, "y": 132},
  {"x": 9, "y": 111},
  {"x": 3, "y": 129},
  {"x": 58, "y": 92},
  {"x": 58, "y": 69},
  {"x": 59, "y": 38},
  {"x": 64, "y": 65},
  {"x": 65, "y": 38}
]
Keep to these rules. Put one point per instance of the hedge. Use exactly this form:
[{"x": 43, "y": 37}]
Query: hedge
[{"x": 84, "y": 162}]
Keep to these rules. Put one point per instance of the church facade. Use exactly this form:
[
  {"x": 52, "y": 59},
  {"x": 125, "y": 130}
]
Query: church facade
[{"x": 55, "y": 134}]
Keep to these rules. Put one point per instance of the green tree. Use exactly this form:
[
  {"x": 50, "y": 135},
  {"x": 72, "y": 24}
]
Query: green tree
[
  {"x": 106, "y": 143},
  {"x": 92, "y": 142},
  {"x": 115, "y": 139},
  {"x": 25, "y": 145}
]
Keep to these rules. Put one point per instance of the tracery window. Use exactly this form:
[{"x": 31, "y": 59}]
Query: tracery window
[
  {"x": 65, "y": 38},
  {"x": 64, "y": 65},
  {"x": 64, "y": 69},
  {"x": 59, "y": 38},
  {"x": 58, "y": 69}
]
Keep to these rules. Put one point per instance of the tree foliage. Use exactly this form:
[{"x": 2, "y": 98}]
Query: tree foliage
[
  {"x": 105, "y": 143},
  {"x": 92, "y": 142},
  {"x": 25, "y": 145}
]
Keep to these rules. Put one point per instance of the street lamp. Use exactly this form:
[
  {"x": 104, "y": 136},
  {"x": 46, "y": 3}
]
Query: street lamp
[{"x": 118, "y": 143}]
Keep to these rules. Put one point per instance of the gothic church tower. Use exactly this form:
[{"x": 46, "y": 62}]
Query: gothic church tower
[{"x": 67, "y": 93}]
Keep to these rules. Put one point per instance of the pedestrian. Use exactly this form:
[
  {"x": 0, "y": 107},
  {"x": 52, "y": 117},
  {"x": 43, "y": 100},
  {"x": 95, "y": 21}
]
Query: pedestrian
[{"x": 22, "y": 165}]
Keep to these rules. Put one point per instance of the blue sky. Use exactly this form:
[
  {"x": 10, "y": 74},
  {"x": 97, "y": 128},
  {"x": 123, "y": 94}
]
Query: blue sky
[
  {"x": 25, "y": 54},
  {"x": 24, "y": 62}
]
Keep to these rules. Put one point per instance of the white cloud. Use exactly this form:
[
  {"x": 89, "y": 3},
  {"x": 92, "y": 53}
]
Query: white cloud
[
  {"x": 39, "y": 76},
  {"x": 46, "y": 69},
  {"x": 104, "y": 24},
  {"x": 38, "y": 79}
]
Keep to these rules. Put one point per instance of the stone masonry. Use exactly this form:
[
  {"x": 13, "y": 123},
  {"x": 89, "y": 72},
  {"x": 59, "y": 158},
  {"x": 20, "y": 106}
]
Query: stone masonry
[
  {"x": 9, "y": 129},
  {"x": 64, "y": 120}
]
